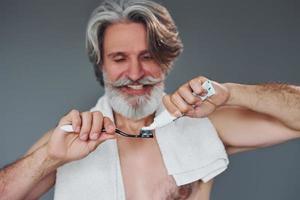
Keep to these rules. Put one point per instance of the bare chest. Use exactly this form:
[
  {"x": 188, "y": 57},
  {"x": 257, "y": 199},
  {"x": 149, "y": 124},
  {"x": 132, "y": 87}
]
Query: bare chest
[{"x": 145, "y": 176}]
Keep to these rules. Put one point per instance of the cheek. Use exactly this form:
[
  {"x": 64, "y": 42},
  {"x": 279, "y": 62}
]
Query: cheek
[
  {"x": 113, "y": 72},
  {"x": 155, "y": 71}
]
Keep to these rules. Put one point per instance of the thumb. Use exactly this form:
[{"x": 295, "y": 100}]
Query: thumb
[{"x": 93, "y": 144}]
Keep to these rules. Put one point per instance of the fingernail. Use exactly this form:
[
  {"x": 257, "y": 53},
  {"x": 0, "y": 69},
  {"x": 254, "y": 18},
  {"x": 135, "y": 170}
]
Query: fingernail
[
  {"x": 83, "y": 137},
  {"x": 177, "y": 113},
  {"x": 94, "y": 136},
  {"x": 77, "y": 129}
]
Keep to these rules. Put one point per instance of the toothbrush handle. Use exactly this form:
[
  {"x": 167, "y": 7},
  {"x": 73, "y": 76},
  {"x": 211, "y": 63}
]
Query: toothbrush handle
[
  {"x": 144, "y": 134},
  {"x": 68, "y": 128}
]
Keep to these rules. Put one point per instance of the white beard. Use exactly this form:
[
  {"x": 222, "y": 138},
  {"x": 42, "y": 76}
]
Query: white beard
[{"x": 135, "y": 106}]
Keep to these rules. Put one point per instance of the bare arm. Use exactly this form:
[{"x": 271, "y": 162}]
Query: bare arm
[
  {"x": 49, "y": 180},
  {"x": 242, "y": 129},
  {"x": 280, "y": 101},
  {"x": 17, "y": 179},
  {"x": 245, "y": 116},
  {"x": 258, "y": 116},
  {"x": 34, "y": 174}
]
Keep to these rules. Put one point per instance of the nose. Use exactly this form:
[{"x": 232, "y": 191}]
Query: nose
[{"x": 135, "y": 70}]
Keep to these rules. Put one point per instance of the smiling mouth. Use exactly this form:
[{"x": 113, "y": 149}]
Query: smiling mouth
[{"x": 135, "y": 87}]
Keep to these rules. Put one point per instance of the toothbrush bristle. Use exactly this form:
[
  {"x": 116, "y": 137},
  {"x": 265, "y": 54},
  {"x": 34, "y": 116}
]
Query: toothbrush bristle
[{"x": 146, "y": 134}]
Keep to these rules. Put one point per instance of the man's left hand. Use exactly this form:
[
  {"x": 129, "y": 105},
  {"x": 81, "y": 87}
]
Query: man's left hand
[{"x": 184, "y": 101}]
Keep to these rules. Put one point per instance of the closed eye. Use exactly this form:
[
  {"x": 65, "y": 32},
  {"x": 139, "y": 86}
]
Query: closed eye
[
  {"x": 119, "y": 58},
  {"x": 147, "y": 56}
]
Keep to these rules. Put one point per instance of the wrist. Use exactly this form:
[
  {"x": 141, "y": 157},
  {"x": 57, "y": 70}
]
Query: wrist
[
  {"x": 48, "y": 162},
  {"x": 239, "y": 94},
  {"x": 231, "y": 87}
]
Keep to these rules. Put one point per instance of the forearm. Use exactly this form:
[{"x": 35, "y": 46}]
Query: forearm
[
  {"x": 277, "y": 100},
  {"x": 19, "y": 178}
]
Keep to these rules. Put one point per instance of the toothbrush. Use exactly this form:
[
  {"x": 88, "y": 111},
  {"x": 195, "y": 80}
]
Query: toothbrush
[{"x": 143, "y": 133}]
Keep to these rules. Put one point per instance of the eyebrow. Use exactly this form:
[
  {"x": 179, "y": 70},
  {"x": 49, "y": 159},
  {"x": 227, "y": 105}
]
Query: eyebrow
[
  {"x": 113, "y": 54},
  {"x": 144, "y": 52},
  {"x": 117, "y": 53}
]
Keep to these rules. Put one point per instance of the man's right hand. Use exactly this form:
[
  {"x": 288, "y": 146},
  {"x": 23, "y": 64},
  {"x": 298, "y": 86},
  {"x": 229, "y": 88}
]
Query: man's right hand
[{"x": 65, "y": 147}]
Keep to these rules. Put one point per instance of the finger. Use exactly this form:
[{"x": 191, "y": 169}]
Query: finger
[
  {"x": 179, "y": 102},
  {"x": 93, "y": 144},
  {"x": 76, "y": 120},
  {"x": 186, "y": 93},
  {"x": 203, "y": 110},
  {"x": 96, "y": 125},
  {"x": 86, "y": 118},
  {"x": 109, "y": 125},
  {"x": 68, "y": 118},
  {"x": 196, "y": 86},
  {"x": 108, "y": 134},
  {"x": 170, "y": 106},
  {"x": 73, "y": 118}
]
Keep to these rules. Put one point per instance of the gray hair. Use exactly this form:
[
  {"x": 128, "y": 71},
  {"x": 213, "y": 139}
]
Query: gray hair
[{"x": 163, "y": 40}]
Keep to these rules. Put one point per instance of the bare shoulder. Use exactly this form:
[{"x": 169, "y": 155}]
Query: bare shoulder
[{"x": 245, "y": 129}]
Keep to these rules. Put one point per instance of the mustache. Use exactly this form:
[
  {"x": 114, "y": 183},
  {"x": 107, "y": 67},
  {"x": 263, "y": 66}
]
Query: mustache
[{"x": 147, "y": 80}]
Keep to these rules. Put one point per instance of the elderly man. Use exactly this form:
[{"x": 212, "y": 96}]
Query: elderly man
[{"x": 132, "y": 45}]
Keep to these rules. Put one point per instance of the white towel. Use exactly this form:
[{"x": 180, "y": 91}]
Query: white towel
[{"x": 190, "y": 147}]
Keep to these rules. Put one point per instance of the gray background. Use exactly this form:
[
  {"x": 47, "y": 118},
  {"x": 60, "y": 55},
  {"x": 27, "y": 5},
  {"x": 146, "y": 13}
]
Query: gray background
[{"x": 44, "y": 72}]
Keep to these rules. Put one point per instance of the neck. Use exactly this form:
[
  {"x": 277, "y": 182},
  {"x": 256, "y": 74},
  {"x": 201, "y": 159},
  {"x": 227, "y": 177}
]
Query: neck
[{"x": 130, "y": 125}]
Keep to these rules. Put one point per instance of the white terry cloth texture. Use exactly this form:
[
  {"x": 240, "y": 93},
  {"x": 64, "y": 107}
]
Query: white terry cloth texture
[{"x": 190, "y": 147}]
